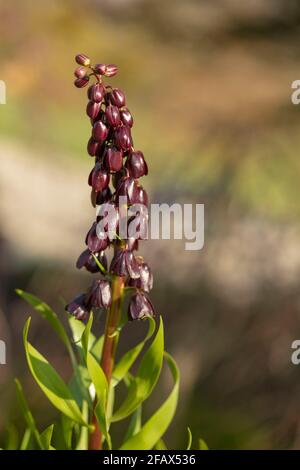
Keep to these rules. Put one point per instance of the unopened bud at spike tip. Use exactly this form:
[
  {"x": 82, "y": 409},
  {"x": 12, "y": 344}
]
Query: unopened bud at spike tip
[
  {"x": 82, "y": 59},
  {"x": 100, "y": 69},
  {"x": 80, "y": 72},
  {"x": 81, "y": 82},
  {"x": 111, "y": 70}
]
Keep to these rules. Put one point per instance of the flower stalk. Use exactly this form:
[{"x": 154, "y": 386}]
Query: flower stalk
[
  {"x": 109, "y": 348},
  {"x": 114, "y": 181}
]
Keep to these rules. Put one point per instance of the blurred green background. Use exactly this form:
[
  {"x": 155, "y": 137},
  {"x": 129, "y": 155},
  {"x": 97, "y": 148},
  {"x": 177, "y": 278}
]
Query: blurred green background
[{"x": 209, "y": 85}]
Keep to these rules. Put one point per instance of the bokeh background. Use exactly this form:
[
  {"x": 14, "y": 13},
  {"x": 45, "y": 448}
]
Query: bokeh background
[{"x": 209, "y": 85}]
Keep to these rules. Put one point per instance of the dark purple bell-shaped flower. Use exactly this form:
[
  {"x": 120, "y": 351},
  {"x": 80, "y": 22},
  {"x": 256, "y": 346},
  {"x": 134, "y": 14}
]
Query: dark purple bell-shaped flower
[
  {"x": 100, "y": 294},
  {"x": 125, "y": 264},
  {"x": 138, "y": 226},
  {"x": 145, "y": 281},
  {"x": 103, "y": 196},
  {"x": 100, "y": 131},
  {"x": 94, "y": 242},
  {"x": 92, "y": 109},
  {"x": 86, "y": 259},
  {"x": 140, "y": 307},
  {"x": 117, "y": 97},
  {"x": 136, "y": 164},
  {"x": 108, "y": 219},
  {"x": 98, "y": 198},
  {"x": 113, "y": 115},
  {"x": 96, "y": 93},
  {"x": 126, "y": 117},
  {"x": 113, "y": 159},
  {"x": 123, "y": 138},
  {"x": 79, "y": 307},
  {"x": 92, "y": 147},
  {"x": 140, "y": 196},
  {"x": 99, "y": 178},
  {"x": 127, "y": 187}
]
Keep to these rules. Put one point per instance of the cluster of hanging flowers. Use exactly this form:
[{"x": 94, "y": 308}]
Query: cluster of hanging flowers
[{"x": 113, "y": 179}]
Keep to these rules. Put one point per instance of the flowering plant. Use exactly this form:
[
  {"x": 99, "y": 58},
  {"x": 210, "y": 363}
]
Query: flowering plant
[{"x": 87, "y": 403}]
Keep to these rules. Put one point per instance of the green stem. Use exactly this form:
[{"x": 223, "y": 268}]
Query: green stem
[{"x": 109, "y": 347}]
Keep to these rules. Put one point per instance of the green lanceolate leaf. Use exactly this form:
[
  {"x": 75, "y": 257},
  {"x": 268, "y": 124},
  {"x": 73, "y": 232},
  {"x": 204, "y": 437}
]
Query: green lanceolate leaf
[
  {"x": 99, "y": 381},
  {"x": 47, "y": 313},
  {"x": 148, "y": 373},
  {"x": 190, "y": 439},
  {"x": 86, "y": 336},
  {"x": 152, "y": 431},
  {"x": 97, "y": 347},
  {"x": 28, "y": 415},
  {"x": 50, "y": 382},
  {"x": 135, "y": 423},
  {"x": 83, "y": 440},
  {"x": 130, "y": 357},
  {"x": 62, "y": 433},
  {"x": 12, "y": 438},
  {"x": 27, "y": 440},
  {"x": 160, "y": 445},
  {"x": 202, "y": 445},
  {"x": 46, "y": 437},
  {"x": 78, "y": 328}
]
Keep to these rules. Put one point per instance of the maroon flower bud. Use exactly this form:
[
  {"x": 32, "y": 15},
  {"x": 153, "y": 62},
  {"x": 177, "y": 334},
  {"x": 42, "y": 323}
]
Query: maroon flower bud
[
  {"x": 113, "y": 159},
  {"x": 108, "y": 216},
  {"x": 138, "y": 226},
  {"x": 82, "y": 59},
  {"x": 117, "y": 97},
  {"x": 79, "y": 307},
  {"x": 92, "y": 147},
  {"x": 99, "y": 178},
  {"x": 87, "y": 260},
  {"x": 96, "y": 93},
  {"x": 100, "y": 131},
  {"x": 103, "y": 196},
  {"x": 111, "y": 70},
  {"x": 127, "y": 187},
  {"x": 141, "y": 196},
  {"x": 100, "y": 69},
  {"x": 136, "y": 164},
  {"x": 113, "y": 115},
  {"x": 125, "y": 264},
  {"x": 140, "y": 307},
  {"x": 123, "y": 138},
  {"x": 94, "y": 242},
  {"x": 145, "y": 281},
  {"x": 126, "y": 117},
  {"x": 116, "y": 178},
  {"x": 80, "y": 72},
  {"x": 81, "y": 82},
  {"x": 92, "y": 109},
  {"x": 100, "y": 294}
]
